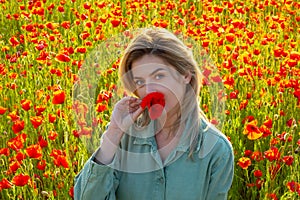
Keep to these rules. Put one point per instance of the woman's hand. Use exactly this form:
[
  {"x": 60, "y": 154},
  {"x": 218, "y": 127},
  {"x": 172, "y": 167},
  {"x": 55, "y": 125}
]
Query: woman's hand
[{"x": 125, "y": 112}]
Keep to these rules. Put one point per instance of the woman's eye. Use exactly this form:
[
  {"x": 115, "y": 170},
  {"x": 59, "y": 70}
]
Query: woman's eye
[
  {"x": 139, "y": 82},
  {"x": 159, "y": 76}
]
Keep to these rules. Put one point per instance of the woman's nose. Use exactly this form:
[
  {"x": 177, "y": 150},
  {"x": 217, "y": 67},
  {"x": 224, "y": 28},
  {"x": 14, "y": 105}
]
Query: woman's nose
[{"x": 150, "y": 87}]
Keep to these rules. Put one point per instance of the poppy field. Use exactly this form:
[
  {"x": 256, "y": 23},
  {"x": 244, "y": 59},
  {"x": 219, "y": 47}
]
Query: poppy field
[{"x": 255, "y": 48}]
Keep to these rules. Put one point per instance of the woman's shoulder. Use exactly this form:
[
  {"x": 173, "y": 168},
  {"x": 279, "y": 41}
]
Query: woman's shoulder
[{"x": 212, "y": 141}]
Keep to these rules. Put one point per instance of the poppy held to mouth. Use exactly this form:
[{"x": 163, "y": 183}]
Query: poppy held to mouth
[{"x": 155, "y": 102}]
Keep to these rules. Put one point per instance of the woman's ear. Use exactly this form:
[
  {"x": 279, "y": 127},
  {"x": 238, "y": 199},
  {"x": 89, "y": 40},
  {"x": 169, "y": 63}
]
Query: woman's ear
[{"x": 187, "y": 77}]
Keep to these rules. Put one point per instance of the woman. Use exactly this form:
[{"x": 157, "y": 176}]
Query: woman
[{"x": 177, "y": 155}]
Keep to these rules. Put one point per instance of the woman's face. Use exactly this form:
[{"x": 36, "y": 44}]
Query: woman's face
[{"x": 152, "y": 74}]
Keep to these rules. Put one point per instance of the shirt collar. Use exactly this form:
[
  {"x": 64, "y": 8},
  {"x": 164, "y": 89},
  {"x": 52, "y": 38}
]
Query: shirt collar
[{"x": 146, "y": 135}]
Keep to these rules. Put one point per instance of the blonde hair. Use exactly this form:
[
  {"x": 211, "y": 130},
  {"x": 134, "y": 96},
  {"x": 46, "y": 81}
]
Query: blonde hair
[{"x": 165, "y": 45}]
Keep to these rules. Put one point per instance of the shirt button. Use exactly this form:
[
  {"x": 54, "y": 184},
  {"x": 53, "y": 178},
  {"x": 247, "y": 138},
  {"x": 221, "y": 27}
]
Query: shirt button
[{"x": 161, "y": 179}]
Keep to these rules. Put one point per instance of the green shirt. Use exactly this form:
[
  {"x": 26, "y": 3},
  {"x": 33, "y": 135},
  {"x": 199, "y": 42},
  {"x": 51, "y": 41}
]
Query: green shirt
[{"x": 137, "y": 172}]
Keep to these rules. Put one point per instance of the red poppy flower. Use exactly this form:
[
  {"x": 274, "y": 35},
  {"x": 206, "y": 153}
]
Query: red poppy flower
[
  {"x": 20, "y": 180},
  {"x": 4, "y": 151},
  {"x": 30, "y": 28},
  {"x": 14, "y": 166},
  {"x": 216, "y": 79},
  {"x": 234, "y": 94},
  {"x": 2, "y": 110},
  {"x": 244, "y": 162},
  {"x": 25, "y": 103},
  {"x": 39, "y": 109},
  {"x": 18, "y": 126},
  {"x": 52, "y": 118},
  {"x": 14, "y": 41},
  {"x": 103, "y": 18},
  {"x": 87, "y": 5},
  {"x": 56, "y": 152},
  {"x": 36, "y": 121},
  {"x": 34, "y": 151},
  {"x": 84, "y": 35},
  {"x": 256, "y": 51},
  {"x": 257, "y": 173},
  {"x": 66, "y": 24},
  {"x": 86, "y": 131},
  {"x": 155, "y": 103},
  {"x": 257, "y": 156},
  {"x": 272, "y": 154},
  {"x": 20, "y": 156},
  {"x": 252, "y": 131},
  {"x": 80, "y": 50},
  {"x": 71, "y": 192},
  {"x": 288, "y": 160},
  {"x": 59, "y": 97},
  {"x": 247, "y": 152},
  {"x": 5, "y": 184},
  {"x": 115, "y": 22},
  {"x": 250, "y": 34},
  {"x": 61, "y": 161},
  {"x": 42, "y": 142},
  {"x": 205, "y": 43},
  {"x": 101, "y": 107},
  {"x": 278, "y": 51},
  {"x": 75, "y": 133},
  {"x": 84, "y": 16},
  {"x": 52, "y": 135},
  {"x": 268, "y": 123},
  {"x": 59, "y": 158},
  {"x": 40, "y": 46},
  {"x": 89, "y": 23},
  {"x": 104, "y": 96},
  {"x": 3, "y": 69},
  {"x": 293, "y": 186},
  {"x": 39, "y": 11},
  {"x": 294, "y": 55},
  {"x": 265, "y": 130},
  {"x": 296, "y": 94},
  {"x": 230, "y": 37},
  {"x": 17, "y": 142},
  {"x": 41, "y": 165},
  {"x": 61, "y": 9},
  {"x": 60, "y": 113},
  {"x": 272, "y": 196},
  {"x": 228, "y": 81},
  {"x": 62, "y": 57},
  {"x": 290, "y": 122}
]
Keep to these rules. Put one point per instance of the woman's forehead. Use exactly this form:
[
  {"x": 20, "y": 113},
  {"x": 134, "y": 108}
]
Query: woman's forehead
[
  {"x": 151, "y": 69},
  {"x": 148, "y": 60}
]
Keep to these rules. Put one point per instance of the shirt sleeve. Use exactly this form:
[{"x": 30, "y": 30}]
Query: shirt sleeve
[
  {"x": 221, "y": 174},
  {"x": 96, "y": 181}
]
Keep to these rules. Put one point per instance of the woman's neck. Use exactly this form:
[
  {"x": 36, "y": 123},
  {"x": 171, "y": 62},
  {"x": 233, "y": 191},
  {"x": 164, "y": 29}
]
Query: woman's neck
[{"x": 171, "y": 117}]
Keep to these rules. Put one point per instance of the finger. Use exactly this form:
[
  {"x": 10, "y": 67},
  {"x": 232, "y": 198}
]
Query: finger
[
  {"x": 134, "y": 105},
  {"x": 135, "y": 102},
  {"x": 137, "y": 113},
  {"x": 132, "y": 108}
]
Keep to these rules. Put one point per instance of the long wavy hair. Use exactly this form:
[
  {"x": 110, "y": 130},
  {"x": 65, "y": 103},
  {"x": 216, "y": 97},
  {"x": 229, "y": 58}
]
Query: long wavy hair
[{"x": 165, "y": 45}]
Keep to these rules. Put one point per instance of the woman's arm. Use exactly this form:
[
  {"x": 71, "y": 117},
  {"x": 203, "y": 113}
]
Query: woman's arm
[
  {"x": 96, "y": 182},
  {"x": 221, "y": 175}
]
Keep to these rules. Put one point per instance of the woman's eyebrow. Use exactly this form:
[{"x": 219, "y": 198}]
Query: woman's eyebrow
[{"x": 155, "y": 71}]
